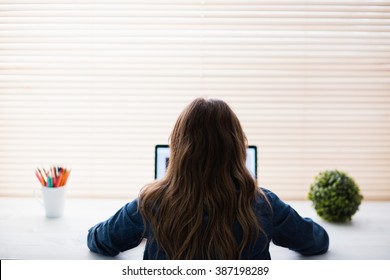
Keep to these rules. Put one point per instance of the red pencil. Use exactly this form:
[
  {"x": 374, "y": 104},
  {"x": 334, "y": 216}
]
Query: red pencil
[{"x": 39, "y": 178}]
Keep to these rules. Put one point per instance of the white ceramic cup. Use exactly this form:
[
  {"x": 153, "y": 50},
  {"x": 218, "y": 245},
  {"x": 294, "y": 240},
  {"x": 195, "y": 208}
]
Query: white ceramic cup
[{"x": 52, "y": 199}]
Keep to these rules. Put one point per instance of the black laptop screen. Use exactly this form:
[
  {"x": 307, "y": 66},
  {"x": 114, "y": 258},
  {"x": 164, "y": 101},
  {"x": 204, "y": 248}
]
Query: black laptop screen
[{"x": 161, "y": 160}]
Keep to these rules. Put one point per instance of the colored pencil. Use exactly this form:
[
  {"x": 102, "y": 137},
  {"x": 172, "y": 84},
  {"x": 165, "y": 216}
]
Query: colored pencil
[{"x": 55, "y": 177}]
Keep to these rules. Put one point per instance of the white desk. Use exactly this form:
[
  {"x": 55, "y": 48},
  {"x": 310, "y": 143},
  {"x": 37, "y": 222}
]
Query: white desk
[{"x": 25, "y": 232}]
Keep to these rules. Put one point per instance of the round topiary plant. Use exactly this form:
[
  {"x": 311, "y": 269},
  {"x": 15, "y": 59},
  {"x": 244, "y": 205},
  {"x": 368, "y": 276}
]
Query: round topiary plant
[{"x": 335, "y": 196}]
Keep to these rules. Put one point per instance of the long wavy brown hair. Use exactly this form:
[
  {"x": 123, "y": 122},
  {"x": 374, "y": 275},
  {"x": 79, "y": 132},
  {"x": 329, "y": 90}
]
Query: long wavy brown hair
[{"x": 207, "y": 188}]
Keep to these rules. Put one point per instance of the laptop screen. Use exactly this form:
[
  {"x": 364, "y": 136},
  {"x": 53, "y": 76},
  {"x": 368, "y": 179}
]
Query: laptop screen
[{"x": 161, "y": 160}]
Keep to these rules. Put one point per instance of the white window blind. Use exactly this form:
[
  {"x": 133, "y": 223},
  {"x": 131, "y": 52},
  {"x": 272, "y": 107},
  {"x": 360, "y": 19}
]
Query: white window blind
[{"x": 95, "y": 84}]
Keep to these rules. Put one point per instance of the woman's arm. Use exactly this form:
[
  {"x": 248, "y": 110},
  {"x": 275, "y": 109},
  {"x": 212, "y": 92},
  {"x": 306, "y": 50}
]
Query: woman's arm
[
  {"x": 121, "y": 232},
  {"x": 294, "y": 232}
]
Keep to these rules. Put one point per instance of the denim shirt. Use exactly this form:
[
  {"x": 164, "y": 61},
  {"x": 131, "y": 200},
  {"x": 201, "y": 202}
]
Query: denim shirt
[{"x": 281, "y": 224}]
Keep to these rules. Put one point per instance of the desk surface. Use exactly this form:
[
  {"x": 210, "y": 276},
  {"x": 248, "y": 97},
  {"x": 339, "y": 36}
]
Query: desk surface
[{"x": 25, "y": 232}]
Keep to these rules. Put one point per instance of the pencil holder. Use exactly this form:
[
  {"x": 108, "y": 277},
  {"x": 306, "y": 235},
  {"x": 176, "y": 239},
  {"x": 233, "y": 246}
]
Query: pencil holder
[
  {"x": 52, "y": 193},
  {"x": 52, "y": 199}
]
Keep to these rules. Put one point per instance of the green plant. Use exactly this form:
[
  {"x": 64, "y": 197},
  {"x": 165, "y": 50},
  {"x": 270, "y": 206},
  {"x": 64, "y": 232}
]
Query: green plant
[{"x": 335, "y": 196}]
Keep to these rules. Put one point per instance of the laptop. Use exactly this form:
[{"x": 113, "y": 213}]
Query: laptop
[{"x": 161, "y": 160}]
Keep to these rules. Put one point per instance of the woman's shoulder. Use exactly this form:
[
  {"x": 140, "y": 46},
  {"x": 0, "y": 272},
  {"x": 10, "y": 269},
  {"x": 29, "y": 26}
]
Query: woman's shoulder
[
  {"x": 269, "y": 199},
  {"x": 132, "y": 209},
  {"x": 267, "y": 195}
]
